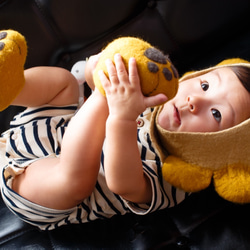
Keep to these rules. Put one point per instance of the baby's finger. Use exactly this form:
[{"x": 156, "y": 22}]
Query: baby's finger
[
  {"x": 155, "y": 100},
  {"x": 112, "y": 72},
  {"x": 104, "y": 80},
  {"x": 133, "y": 72},
  {"x": 121, "y": 69}
]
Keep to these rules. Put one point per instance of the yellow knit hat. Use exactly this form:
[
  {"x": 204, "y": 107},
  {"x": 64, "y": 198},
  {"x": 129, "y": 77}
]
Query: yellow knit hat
[
  {"x": 13, "y": 51},
  {"x": 195, "y": 158}
]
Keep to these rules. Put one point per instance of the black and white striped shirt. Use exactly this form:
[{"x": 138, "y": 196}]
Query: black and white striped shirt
[{"x": 37, "y": 133}]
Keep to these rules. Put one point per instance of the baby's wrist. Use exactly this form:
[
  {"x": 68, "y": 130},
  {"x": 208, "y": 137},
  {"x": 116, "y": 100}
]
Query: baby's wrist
[
  {"x": 115, "y": 122},
  {"x": 120, "y": 118}
]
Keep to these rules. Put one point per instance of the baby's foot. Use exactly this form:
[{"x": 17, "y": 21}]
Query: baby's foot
[{"x": 13, "y": 51}]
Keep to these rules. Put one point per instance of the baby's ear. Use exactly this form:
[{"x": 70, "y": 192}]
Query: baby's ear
[{"x": 13, "y": 52}]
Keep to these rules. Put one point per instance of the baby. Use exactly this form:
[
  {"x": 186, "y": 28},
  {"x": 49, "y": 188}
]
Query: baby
[{"x": 72, "y": 167}]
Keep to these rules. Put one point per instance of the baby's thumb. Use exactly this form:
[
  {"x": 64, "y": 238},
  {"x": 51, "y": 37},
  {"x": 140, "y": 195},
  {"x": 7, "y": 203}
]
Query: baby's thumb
[{"x": 156, "y": 100}]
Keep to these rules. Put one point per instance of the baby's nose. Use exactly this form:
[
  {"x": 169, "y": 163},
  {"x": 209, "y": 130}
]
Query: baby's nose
[{"x": 194, "y": 103}]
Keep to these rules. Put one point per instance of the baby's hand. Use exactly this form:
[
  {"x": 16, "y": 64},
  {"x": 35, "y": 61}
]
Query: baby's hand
[{"x": 123, "y": 90}]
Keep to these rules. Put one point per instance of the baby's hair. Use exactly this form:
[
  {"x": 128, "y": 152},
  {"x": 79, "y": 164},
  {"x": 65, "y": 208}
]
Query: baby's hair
[{"x": 243, "y": 74}]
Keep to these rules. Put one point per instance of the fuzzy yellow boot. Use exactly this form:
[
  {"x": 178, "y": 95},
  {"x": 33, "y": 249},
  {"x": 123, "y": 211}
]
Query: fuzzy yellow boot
[{"x": 13, "y": 52}]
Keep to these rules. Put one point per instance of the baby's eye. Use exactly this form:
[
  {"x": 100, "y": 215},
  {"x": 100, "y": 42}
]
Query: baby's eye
[
  {"x": 204, "y": 86},
  {"x": 216, "y": 114}
]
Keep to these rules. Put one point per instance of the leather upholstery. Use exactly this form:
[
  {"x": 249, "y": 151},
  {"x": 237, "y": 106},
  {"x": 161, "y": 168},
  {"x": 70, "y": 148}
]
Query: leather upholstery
[{"x": 196, "y": 34}]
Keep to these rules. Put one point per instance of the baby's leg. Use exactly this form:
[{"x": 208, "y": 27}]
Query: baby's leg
[
  {"x": 64, "y": 182},
  {"x": 48, "y": 85},
  {"x": 35, "y": 86}
]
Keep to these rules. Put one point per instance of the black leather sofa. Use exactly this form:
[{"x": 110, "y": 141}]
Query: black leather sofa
[{"x": 196, "y": 34}]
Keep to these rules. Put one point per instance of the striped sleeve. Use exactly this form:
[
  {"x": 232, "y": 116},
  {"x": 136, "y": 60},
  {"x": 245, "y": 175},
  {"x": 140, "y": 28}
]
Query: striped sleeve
[{"x": 163, "y": 194}]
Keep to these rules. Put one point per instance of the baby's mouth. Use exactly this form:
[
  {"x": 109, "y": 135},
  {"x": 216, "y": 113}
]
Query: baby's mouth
[{"x": 177, "y": 115}]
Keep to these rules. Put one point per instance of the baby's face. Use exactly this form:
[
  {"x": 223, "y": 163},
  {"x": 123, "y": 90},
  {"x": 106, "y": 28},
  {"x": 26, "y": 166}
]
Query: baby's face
[{"x": 207, "y": 103}]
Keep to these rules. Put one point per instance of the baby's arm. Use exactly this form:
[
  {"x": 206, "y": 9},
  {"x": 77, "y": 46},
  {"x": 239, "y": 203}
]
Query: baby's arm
[
  {"x": 123, "y": 166},
  {"x": 48, "y": 85}
]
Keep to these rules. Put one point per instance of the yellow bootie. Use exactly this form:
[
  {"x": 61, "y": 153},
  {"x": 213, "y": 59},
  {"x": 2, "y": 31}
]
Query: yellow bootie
[{"x": 13, "y": 52}]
